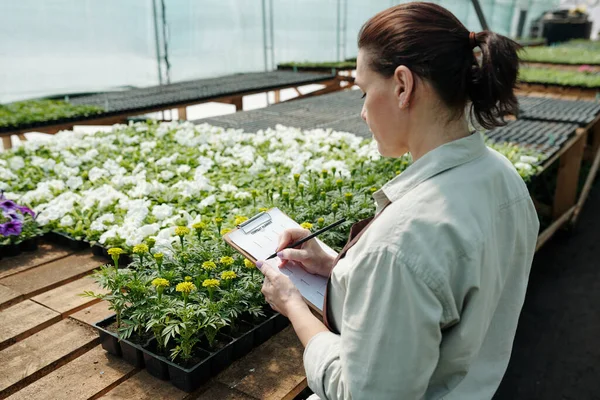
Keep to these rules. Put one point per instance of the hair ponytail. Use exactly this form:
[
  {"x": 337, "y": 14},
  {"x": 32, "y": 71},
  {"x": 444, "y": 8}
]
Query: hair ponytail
[
  {"x": 490, "y": 84},
  {"x": 437, "y": 47}
]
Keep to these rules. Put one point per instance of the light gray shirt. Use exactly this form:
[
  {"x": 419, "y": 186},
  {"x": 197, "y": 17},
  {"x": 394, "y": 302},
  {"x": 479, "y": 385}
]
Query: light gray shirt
[{"x": 427, "y": 301}]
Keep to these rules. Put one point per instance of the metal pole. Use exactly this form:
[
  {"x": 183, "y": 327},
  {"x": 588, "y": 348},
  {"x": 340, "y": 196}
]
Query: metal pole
[
  {"x": 345, "y": 32},
  {"x": 339, "y": 22},
  {"x": 165, "y": 42},
  {"x": 271, "y": 28},
  {"x": 264, "y": 21},
  {"x": 479, "y": 11},
  {"x": 156, "y": 42}
]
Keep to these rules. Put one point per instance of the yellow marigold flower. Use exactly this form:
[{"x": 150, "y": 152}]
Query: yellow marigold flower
[
  {"x": 348, "y": 196},
  {"x": 239, "y": 219},
  {"x": 321, "y": 220},
  {"x": 160, "y": 282},
  {"x": 373, "y": 190},
  {"x": 159, "y": 256},
  {"x": 263, "y": 209},
  {"x": 115, "y": 251},
  {"x": 228, "y": 275},
  {"x": 227, "y": 260},
  {"x": 225, "y": 231},
  {"x": 209, "y": 265},
  {"x": 199, "y": 226},
  {"x": 187, "y": 278},
  {"x": 248, "y": 263},
  {"x": 306, "y": 225},
  {"x": 140, "y": 248},
  {"x": 211, "y": 283},
  {"x": 182, "y": 230},
  {"x": 218, "y": 220},
  {"x": 185, "y": 287}
]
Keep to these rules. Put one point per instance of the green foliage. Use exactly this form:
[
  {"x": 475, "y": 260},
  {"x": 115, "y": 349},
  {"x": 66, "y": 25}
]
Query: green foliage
[
  {"x": 559, "y": 77},
  {"x": 324, "y": 64},
  {"x": 560, "y": 55},
  {"x": 29, "y": 112}
]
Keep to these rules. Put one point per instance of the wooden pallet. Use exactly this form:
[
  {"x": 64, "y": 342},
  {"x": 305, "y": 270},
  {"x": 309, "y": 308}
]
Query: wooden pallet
[{"x": 49, "y": 350}]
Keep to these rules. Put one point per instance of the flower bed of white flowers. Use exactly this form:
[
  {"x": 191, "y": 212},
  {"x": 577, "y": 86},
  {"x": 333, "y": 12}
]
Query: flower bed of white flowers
[{"x": 144, "y": 179}]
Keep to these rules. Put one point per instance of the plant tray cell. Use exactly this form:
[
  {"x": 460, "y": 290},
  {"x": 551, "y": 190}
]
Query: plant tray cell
[
  {"x": 547, "y": 109},
  {"x": 108, "y": 339}
]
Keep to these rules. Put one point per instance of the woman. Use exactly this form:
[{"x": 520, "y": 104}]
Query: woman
[{"x": 424, "y": 301}]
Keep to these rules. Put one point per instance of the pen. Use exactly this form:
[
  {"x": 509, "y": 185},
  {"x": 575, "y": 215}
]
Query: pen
[{"x": 312, "y": 235}]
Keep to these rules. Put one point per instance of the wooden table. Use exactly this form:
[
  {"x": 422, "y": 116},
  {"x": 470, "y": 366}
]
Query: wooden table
[{"x": 48, "y": 349}]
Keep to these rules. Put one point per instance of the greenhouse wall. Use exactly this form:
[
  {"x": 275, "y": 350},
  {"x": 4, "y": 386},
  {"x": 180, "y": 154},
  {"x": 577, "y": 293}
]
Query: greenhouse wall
[{"x": 60, "y": 47}]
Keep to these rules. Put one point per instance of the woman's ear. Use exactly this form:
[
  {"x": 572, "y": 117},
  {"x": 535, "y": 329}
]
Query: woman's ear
[{"x": 404, "y": 85}]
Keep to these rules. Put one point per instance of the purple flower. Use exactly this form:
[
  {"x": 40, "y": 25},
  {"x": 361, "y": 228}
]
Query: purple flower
[
  {"x": 10, "y": 228},
  {"x": 7, "y": 205},
  {"x": 26, "y": 210}
]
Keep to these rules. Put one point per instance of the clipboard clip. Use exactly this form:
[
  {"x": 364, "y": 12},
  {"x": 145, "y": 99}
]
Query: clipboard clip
[{"x": 256, "y": 223}]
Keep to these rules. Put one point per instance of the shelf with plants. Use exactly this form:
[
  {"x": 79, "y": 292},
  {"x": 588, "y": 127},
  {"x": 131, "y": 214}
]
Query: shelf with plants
[
  {"x": 318, "y": 66},
  {"x": 163, "y": 194},
  {"x": 547, "y": 76},
  {"x": 33, "y": 113},
  {"x": 560, "y": 55}
]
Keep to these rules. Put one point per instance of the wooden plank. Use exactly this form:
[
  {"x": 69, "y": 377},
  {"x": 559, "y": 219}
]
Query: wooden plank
[
  {"x": 93, "y": 314},
  {"x": 589, "y": 181},
  {"x": 8, "y": 297},
  {"x": 274, "y": 370},
  {"x": 51, "y": 275},
  {"x": 23, "y": 320},
  {"x": 6, "y": 142},
  {"x": 67, "y": 299},
  {"x": 182, "y": 113},
  {"x": 38, "y": 355},
  {"x": 143, "y": 386},
  {"x": 594, "y": 131},
  {"x": 46, "y": 253},
  {"x": 567, "y": 146},
  {"x": 238, "y": 102},
  {"x": 565, "y": 193},
  {"x": 218, "y": 391},
  {"x": 551, "y": 230},
  {"x": 277, "y": 94},
  {"x": 94, "y": 372}
]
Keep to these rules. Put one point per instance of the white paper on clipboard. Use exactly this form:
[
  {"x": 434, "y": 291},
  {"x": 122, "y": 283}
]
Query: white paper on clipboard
[{"x": 262, "y": 243}]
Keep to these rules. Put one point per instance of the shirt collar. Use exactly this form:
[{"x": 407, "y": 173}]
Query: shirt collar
[{"x": 436, "y": 161}]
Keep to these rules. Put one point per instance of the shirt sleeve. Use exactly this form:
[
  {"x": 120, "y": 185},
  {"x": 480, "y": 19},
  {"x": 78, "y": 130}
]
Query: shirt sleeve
[{"x": 390, "y": 335}]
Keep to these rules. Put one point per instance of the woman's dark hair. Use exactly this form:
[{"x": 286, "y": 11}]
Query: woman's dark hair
[{"x": 436, "y": 46}]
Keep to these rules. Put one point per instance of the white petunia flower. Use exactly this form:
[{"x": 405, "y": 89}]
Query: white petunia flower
[
  {"x": 228, "y": 188},
  {"x": 96, "y": 173},
  {"x": 183, "y": 169},
  {"x": 74, "y": 182},
  {"x": 167, "y": 175},
  {"x": 16, "y": 163},
  {"x": 162, "y": 211},
  {"x": 523, "y": 166},
  {"x": 67, "y": 221},
  {"x": 528, "y": 159},
  {"x": 208, "y": 201}
]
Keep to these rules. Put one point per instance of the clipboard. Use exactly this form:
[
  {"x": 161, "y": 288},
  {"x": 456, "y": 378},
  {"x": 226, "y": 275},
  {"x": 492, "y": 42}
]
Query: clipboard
[{"x": 258, "y": 237}]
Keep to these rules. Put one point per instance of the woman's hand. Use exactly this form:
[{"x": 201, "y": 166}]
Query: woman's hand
[
  {"x": 309, "y": 256},
  {"x": 279, "y": 291}
]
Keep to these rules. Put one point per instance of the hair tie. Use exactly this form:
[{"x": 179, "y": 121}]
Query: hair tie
[{"x": 472, "y": 40}]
